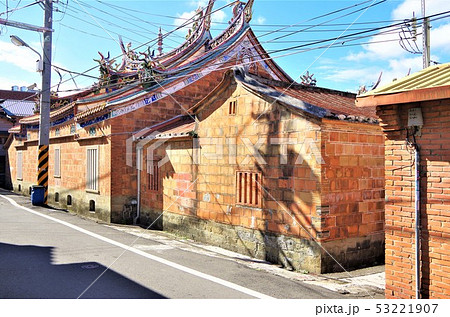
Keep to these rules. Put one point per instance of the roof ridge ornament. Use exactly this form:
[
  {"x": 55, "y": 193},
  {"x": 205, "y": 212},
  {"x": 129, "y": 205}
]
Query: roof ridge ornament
[
  {"x": 207, "y": 15},
  {"x": 160, "y": 42},
  {"x": 248, "y": 11}
]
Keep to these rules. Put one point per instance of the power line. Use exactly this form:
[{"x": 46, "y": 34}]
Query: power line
[
  {"x": 289, "y": 48},
  {"x": 125, "y": 20},
  {"x": 135, "y": 18},
  {"x": 16, "y": 8},
  {"x": 318, "y": 17},
  {"x": 339, "y": 17},
  {"x": 303, "y": 48}
]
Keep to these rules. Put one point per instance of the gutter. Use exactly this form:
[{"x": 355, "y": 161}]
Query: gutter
[{"x": 417, "y": 220}]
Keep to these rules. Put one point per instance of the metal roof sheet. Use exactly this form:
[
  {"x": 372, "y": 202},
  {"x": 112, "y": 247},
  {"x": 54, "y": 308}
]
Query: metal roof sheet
[
  {"x": 18, "y": 108},
  {"x": 430, "y": 77}
]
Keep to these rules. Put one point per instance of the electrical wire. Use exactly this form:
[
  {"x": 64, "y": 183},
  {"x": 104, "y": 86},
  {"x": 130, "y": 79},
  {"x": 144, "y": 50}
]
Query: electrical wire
[
  {"x": 291, "y": 48},
  {"x": 334, "y": 19},
  {"x": 303, "y": 49},
  {"x": 316, "y": 18},
  {"x": 140, "y": 31},
  {"x": 136, "y": 18},
  {"x": 126, "y": 20},
  {"x": 7, "y": 12}
]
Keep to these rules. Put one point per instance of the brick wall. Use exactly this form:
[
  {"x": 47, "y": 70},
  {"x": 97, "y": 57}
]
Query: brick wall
[
  {"x": 72, "y": 178},
  {"x": 435, "y": 206},
  {"x": 353, "y": 191},
  {"x": 295, "y": 203},
  {"x": 124, "y": 186}
]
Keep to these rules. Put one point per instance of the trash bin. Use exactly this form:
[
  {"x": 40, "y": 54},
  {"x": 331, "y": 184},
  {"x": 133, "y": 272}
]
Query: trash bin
[{"x": 37, "y": 195}]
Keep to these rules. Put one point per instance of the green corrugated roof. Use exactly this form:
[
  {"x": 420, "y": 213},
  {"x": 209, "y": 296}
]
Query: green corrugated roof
[{"x": 433, "y": 76}]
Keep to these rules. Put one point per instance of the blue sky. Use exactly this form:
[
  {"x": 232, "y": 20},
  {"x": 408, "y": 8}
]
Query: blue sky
[{"x": 84, "y": 27}]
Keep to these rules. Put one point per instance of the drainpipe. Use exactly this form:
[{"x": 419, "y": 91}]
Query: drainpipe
[
  {"x": 139, "y": 169},
  {"x": 417, "y": 219}
]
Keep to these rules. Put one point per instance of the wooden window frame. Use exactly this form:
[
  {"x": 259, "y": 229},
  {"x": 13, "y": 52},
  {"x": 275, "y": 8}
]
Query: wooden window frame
[{"x": 248, "y": 188}]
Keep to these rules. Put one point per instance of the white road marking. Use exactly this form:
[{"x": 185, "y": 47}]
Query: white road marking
[
  {"x": 156, "y": 247},
  {"x": 147, "y": 255}
]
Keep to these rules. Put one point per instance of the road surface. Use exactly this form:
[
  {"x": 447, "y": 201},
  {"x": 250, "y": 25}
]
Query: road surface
[{"x": 47, "y": 253}]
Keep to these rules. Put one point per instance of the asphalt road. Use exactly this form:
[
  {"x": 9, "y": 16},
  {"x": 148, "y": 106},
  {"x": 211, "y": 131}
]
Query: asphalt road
[{"x": 47, "y": 253}]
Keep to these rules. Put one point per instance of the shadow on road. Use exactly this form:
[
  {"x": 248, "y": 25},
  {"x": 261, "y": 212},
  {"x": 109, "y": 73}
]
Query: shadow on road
[{"x": 27, "y": 272}]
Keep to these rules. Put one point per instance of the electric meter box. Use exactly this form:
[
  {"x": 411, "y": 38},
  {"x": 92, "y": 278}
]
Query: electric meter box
[{"x": 415, "y": 118}]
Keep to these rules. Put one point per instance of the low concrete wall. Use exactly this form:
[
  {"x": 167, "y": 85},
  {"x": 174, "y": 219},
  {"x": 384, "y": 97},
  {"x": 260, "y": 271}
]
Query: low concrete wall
[
  {"x": 80, "y": 201},
  {"x": 299, "y": 254},
  {"x": 291, "y": 252}
]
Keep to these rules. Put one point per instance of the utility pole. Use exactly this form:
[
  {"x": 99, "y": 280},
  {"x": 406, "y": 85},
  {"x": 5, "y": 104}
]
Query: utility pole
[
  {"x": 426, "y": 38},
  {"x": 44, "y": 119}
]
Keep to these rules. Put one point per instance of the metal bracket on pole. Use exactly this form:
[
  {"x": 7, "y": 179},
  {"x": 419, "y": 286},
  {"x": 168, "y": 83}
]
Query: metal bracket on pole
[{"x": 25, "y": 26}]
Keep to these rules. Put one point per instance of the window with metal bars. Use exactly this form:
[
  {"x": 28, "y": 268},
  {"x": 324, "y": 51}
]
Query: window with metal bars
[
  {"x": 232, "y": 107},
  {"x": 57, "y": 164},
  {"x": 153, "y": 175},
  {"x": 248, "y": 188},
  {"x": 92, "y": 169}
]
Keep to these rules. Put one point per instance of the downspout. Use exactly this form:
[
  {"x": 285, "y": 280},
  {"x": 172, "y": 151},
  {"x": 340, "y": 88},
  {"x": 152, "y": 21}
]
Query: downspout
[
  {"x": 417, "y": 219},
  {"x": 138, "y": 168}
]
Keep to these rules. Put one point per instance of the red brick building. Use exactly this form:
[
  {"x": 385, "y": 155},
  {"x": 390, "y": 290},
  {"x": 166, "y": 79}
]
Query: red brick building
[
  {"x": 283, "y": 172},
  {"x": 415, "y": 113},
  {"x": 322, "y": 191},
  {"x": 90, "y": 170}
]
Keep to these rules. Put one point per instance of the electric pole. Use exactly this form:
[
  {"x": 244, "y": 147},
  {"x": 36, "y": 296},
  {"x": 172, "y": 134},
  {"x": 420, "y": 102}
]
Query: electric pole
[
  {"x": 44, "y": 119},
  {"x": 426, "y": 38}
]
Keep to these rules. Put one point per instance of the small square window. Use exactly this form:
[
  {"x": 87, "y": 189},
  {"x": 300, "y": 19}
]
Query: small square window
[
  {"x": 57, "y": 132},
  {"x": 232, "y": 107},
  {"x": 73, "y": 130},
  {"x": 92, "y": 131}
]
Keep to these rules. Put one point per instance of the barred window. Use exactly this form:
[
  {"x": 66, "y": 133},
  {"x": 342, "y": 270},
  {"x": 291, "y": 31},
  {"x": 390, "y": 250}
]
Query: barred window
[
  {"x": 57, "y": 163},
  {"x": 92, "y": 169},
  {"x": 248, "y": 188},
  {"x": 153, "y": 175},
  {"x": 232, "y": 107}
]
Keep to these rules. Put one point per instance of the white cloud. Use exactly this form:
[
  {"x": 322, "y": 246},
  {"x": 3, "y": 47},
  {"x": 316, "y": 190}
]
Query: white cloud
[
  {"x": 260, "y": 20},
  {"x": 383, "y": 52},
  {"x": 399, "y": 68},
  {"x": 359, "y": 76},
  {"x": 439, "y": 38},
  {"x": 8, "y": 82},
  {"x": 406, "y": 8},
  {"x": 19, "y": 56},
  {"x": 216, "y": 17}
]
